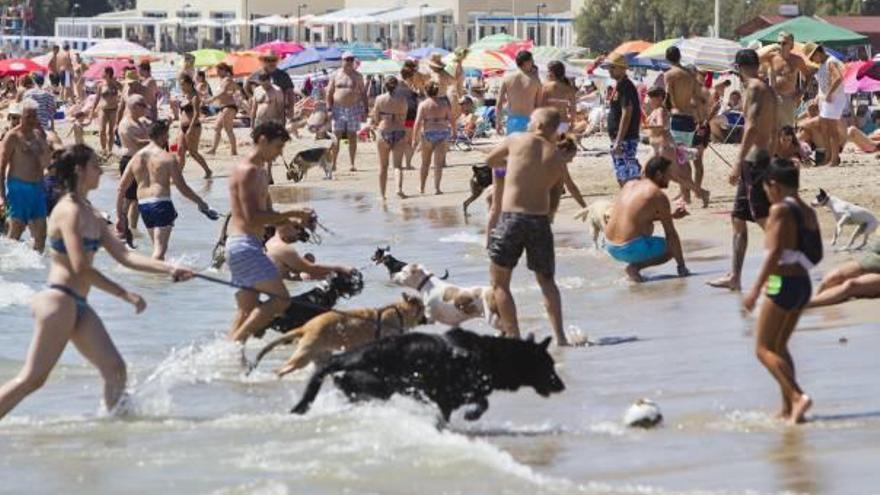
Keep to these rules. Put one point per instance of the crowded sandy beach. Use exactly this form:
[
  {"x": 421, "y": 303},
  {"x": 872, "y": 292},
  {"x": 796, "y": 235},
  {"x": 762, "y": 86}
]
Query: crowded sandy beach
[{"x": 631, "y": 260}]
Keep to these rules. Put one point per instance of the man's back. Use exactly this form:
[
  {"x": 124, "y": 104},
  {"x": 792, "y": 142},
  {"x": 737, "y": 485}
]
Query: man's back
[
  {"x": 681, "y": 86},
  {"x": 634, "y": 211},
  {"x": 151, "y": 168},
  {"x": 522, "y": 93},
  {"x": 534, "y": 166}
]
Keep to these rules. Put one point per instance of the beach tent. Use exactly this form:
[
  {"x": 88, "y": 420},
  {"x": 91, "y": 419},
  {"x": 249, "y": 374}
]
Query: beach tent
[
  {"x": 377, "y": 67},
  {"x": 113, "y": 48},
  {"x": 494, "y": 41},
  {"x": 362, "y": 51},
  {"x": 420, "y": 53},
  {"x": 280, "y": 48},
  {"x": 207, "y": 57},
  {"x": 19, "y": 67},
  {"x": 805, "y": 29}
]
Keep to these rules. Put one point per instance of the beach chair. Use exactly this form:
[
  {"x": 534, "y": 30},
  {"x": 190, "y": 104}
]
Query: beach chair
[
  {"x": 460, "y": 140},
  {"x": 733, "y": 130}
]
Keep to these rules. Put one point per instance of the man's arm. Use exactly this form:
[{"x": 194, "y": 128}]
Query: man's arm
[
  {"x": 748, "y": 138},
  {"x": 497, "y": 158},
  {"x": 254, "y": 213},
  {"x": 295, "y": 263},
  {"x": 499, "y": 104},
  {"x": 331, "y": 88},
  {"x": 364, "y": 95},
  {"x": 673, "y": 243},
  {"x": 6, "y": 147},
  {"x": 571, "y": 187}
]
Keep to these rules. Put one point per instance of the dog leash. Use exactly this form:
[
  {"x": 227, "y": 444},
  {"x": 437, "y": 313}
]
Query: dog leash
[{"x": 248, "y": 288}]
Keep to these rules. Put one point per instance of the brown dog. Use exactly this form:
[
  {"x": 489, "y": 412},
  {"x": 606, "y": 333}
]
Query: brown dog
[
  {"x": 310, "y": 158},
  {"x": 337, "y": 331}
]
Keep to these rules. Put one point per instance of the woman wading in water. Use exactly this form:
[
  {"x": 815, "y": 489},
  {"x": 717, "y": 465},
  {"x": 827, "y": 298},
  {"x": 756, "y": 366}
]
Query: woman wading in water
[
  {"x": 76, "y": 232},
  {"x": 793, "y": 247}
]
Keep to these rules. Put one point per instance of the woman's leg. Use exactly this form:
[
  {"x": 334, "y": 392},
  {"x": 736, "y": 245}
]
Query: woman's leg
[
  {"x": 111, "y": 131},
  {"x": 384, "y": 151},
  {"x": 831, "y": 131},
  {"x": 102, "y": 130},
  {"x": 427, "y": 150},
  {"x": 409, "y": 150},
  {"x": 439, "y": 163},
  {"x": 54, "y": 318},
  {"x": 772, "y": 325},
  {"x": 219, "y": 125},
  {"x": 861, "y": 140},
  {"x": 397, "y": 154},
  {"x": 192, "y": 147},
  {"x": 228, "y": 121},
  {"x": 181, "y": 149},
  {"x": 92, "y": 341},
  {"x": 863, "y": 286}
]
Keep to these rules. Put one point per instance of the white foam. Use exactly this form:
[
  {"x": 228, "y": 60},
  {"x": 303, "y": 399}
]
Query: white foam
[
  {"x": 16, "y": 255},
  {"x": 464, "y": 238},
  {"x": 14, "y": 293}
]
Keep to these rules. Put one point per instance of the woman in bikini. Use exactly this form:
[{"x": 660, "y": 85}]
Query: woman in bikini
[
  {"x": 793, "y": 246},
  {"x": 61, "y": 313},
  {"x": 190, "y": 125},
  {"x": 225, "y": 99},
  {"x": 434, "y": 123},
  {"x": 389, "y": 112},
  {"x": 664, "y": 145},
  {"x": 108, "y": 103}
]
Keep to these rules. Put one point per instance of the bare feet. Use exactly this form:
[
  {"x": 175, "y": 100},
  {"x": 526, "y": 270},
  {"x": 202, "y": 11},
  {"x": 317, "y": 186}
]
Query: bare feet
[
  {"x": 632, "y": 272},
  {"x": 353, "y": 169},
  {"x": 725, "y": 282},
  {"x": 705, "y": 197},
  {"x": 211, "y": 152},
  {"x": 401, "y": 195},
  {"x": 208, "y": 174},
  {"x": 799, "y": 408},
  {"x": 438, "y": 192}
]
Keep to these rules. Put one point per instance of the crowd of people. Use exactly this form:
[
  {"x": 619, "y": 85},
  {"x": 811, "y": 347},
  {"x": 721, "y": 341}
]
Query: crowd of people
[{"x": 45, "y": 181}]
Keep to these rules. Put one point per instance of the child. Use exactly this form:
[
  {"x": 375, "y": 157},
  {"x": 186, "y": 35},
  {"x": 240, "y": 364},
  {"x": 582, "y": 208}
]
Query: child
[
  {"x": 663, "y": 144},
  {"x": 793, "y": 246},
  {"x": 77, "y": 125}
]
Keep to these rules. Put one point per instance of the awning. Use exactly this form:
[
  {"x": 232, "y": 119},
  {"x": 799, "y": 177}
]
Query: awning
[
  {"x": 407, "y": 13},
  {"x": 346, "y": 16}
]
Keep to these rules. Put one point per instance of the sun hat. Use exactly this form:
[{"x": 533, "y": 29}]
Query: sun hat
[
  {"x": 436, "y": 61},
  {"x": 616, "y": 60}
]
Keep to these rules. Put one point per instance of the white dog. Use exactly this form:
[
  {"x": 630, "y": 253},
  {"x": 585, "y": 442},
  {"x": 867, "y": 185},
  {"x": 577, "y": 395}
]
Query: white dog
[
  {"x": 447, "y": 303},
  {"x": 847, "y": 213},
  {"x": 596, "y": 215}
]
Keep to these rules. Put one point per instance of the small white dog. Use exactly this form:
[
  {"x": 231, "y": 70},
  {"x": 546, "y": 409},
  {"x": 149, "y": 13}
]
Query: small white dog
[
  {"x": 596, "y": 215},
  {"x": 447, "y": 303},
  {"x": 847, "y": 213}
]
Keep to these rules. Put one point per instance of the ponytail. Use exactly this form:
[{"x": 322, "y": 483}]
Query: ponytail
[{"x": 77, "y": 155}]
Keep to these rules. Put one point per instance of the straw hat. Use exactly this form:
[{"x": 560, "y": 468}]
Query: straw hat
[
  {"x": 436, "y": 61},
  {"x": 810, "y": 49},
  {"x": 616, "y": 60}
]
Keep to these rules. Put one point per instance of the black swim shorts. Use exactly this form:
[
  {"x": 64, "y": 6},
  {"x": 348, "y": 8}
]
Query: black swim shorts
[
  {"x": 132, "y": 191},
  {"x": 516, "y": 232},
  {"x": 751, "y": 203}
]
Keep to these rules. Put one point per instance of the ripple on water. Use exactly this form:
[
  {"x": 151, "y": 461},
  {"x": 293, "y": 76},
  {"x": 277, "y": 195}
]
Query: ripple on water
[
  {"x": 16, "y": 255},
  {"x": 14, "y": 293}
]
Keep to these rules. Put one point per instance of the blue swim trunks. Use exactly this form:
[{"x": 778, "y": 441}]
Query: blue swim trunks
[
  {"x": 25, "y": 201},
  {"x": 626, "y": 166},
  {"x": 157, "y": 212},
  {"x": 517, "y": 123},
  {"x": 248, "y": 262},
  {"x": 638, "y": 250}
]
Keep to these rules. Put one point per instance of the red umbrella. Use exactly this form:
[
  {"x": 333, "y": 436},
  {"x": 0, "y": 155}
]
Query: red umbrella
[
  {"x": 869, "y": 68},
  {"x": 281, "y": 48},
  {"x": 96, "y": 70},
  {"x": 517, "y": 46},
  {"x": 19, "y": 67}
]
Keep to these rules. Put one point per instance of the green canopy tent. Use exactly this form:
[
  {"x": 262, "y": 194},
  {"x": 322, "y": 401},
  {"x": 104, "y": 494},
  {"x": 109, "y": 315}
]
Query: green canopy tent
[{"x": 806, "y": 29}]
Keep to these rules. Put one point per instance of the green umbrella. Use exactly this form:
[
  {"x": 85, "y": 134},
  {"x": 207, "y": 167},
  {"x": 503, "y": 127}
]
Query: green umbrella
[
  {"x": 657, "y": 51},
  {"x": 207, "y": 57},
  {"x": 375, "y": 67},
  {"x": 805, "y": 29},
  {"x": 494, "y": 41}
]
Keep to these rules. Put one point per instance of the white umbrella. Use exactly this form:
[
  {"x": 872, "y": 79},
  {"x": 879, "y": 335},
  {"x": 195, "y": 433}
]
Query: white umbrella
[
  {"x": 207, "y": 23},
  {"x": 237, "y": 23},
  {"x": 714, "y": 54},
  {"x": 114, "y": 48}
]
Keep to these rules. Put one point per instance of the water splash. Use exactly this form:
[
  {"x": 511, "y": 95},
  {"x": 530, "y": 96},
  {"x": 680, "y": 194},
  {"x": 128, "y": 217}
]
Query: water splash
[
  {"x": 14, "y": 293},
  {"x": 16, "y": 255}
]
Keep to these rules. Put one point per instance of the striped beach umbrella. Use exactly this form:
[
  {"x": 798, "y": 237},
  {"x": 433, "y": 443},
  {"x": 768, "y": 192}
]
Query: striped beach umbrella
[
  {"x": 657, "y": 51},
  {"x": 494, "y": 41},
  {"x": 713, "y": 54},
  {"x": 485, "y": 60}
]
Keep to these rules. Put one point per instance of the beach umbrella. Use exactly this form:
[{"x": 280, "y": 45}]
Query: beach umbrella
[
  {"x": 42, "y": 59},
  {"x": 425, "y": 52},
  {"x": 657, "y": 51},
  {"x": 494, "y": 41},
  {"x": 115, "y": 47},
  {"x": 512, "y": 49},
  {"x": 870, "y": 68},
  {"x": 243, "y": 63},
  {"x": 853, "y": 84},
  {"x": 398, "y": 55},
  {"x": 96, "y": 69},
  {"x": 363, "y": 52},
  {"x": 309, "y": 56},
  {"x": 329, "y": 53},
  {"x": 280, "y": 48},
  {"x": 637, "y": 62},
  {"x": 19, "y": 67},
  {"x": 377, "y": 67},
  {"x": 713, "y": 54},
  {"x": 634, "y": 46},
  {"x": 485, "y": 60},
  {"x": 207, "y": 57},
  {"x": 545, "y": 54}
]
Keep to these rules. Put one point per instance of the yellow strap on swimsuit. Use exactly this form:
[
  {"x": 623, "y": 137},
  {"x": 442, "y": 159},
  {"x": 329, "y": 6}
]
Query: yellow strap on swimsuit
[{"x": 774, "y": 285}]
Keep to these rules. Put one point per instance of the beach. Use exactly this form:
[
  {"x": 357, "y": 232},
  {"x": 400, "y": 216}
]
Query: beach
[{"x": 199, "y": 424}]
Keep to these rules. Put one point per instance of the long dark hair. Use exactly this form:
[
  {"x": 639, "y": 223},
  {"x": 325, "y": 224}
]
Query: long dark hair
[
  {"x": 557, "y": 68},
  {"x": 77, "y": 155}
]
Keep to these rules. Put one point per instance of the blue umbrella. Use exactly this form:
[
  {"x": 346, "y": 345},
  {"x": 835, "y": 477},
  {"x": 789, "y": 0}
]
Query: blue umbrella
[
  {"x": 330, "y": 52},
  {"x": 362, "y": 51},
  {"x": 635, "y": 61},
  {"x": 308, "y": 56},
  {"x": 427, "y": 51}
]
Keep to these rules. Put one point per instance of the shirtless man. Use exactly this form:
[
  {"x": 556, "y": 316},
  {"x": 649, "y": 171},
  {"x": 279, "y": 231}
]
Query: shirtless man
[
  {"x": 520, "y": 94},
  {"x": 151, "y": 90},
  {"x": 638, "y": 205},
  {"x": 685, "y": 95},
  {"x": 25, "y": 155},
  {"x": 52, "y": 65},
  {"x": 133, "y": 86},
  {"x": 534, "y": 166},
  {"x": 450, "y": 85},
  {"x": 268, "y": 102},
  {"x": 292, "y": 266},
  {"x": 153, "y": 170},
  {"x": 66, "y": 73},
  {"x": 783, "y": 68},
  {"x": 759, "y": 137},
  {"x": 251, "y": 213},
  {"x": 347, "y": 103},
  {"x": 134, "y": 135}
]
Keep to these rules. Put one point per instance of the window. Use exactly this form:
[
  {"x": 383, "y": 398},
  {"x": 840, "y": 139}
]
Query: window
[{"x": 155, "y": 14}]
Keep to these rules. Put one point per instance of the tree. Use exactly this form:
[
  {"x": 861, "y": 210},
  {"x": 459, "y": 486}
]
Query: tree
[{"x": 45, "y": 12}]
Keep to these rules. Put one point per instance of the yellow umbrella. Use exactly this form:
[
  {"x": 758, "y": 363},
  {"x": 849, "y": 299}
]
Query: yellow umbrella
[{"x": 485, "y": 60}]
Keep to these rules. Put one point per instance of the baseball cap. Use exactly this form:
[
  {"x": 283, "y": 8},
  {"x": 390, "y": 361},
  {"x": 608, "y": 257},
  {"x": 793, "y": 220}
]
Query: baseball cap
[{"x": 347, "y": 54}]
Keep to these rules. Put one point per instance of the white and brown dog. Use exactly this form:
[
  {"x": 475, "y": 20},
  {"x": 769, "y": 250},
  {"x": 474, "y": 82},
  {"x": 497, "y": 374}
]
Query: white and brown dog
[
  {"x": 596, "y": 215},
  {"x": 847, "y": 213},
  {"x": 310, "y": 158},
  {"x": 447, "y": 303}
]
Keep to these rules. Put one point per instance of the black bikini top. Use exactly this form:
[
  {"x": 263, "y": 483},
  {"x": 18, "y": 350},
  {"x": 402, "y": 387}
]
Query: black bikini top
[{"x": 809, "y": 241}]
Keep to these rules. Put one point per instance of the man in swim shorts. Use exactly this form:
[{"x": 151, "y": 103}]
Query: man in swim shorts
[
  {"x": 133, "y": 135},
  {"x": 624, "y": 118},
  {"x": 534, "y": 166},
  {"x": 153, "y": 170},
  {"x": 685, "y": 96},
  {"x": 759, "y": 136},
  {"x": 251, "y": 213},
  {"x": 638, "y": 205},
  {"x": 24, "y": 156},
  {"x": 347, "y": 103}
]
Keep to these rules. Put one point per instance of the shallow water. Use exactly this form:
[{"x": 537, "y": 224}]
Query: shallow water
[{"x": 198, "y": 425}]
